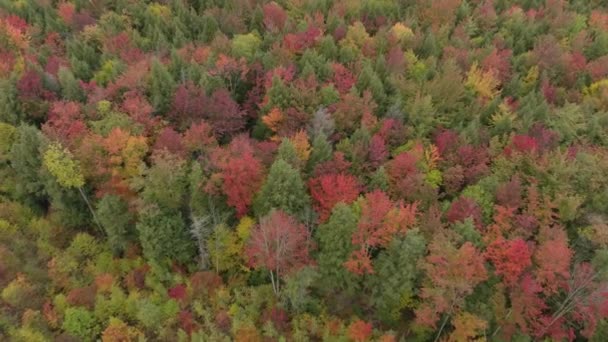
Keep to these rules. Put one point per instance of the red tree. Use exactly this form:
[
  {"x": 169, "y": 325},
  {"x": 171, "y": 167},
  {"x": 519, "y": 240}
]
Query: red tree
[
  {"x": 464, "y": 208},
  {"x": 329, "y": 190},
  {"x": 510, "y": 258},
  {"x": 280, "y": 244},
  {"x": 168, "y": 139},
  {"x": 224, "y": 114},
  {"x": 379, "y": 223},
  {"x": 274, "y": 16},
  {"x": 242, "y": 176},
  {"x": 453, "y": 273}
]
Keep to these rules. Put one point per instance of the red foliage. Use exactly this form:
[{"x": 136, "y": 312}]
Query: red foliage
[
  {"x": 298, "y": 42},
  {"x": 82, "y": 296},
  {"x": 552, "y": 259},
  {"x": 279, "y": 243},
  {"x": 402, "y": 172},
  {"x": 360, "y": 331},
  {"x": 331, "y": 189},
  {"x": 523, "y": 144},
  {"x": 189, "y": 103},
  {"x": 224, "y": 114},
  {"x": 380, "y": 221},
  {"x": 242, "y": 176},
  {"x": 509, "y": 194},
  {"x": 453, "y": 272},
  {"x": 187, "y": 322},
  {"x": 527, "y": 308},
  {"x": 278, "y": 317},
  {"x": 65, "y": 122},
  {"x": 474, "y": 161},
  {"x": 464, "y": 208},
  {"x": 178, "y": 292},
  {"x": 446, "y": 141},
  {"x": 510, "y": 258},
  {"x": 336, "y": 165},
  {"x": 205, "y": 282},
  {"x": 171, "y": 141},
  {"x": 342, "y": 79},
  {"x": 377, "y": 150},
  {"x": 139, "y": 109},
  {"x": 66, "y": 11},
  {"x": 500, "y": 62},
  {"x": 198, "y": 137},
  {"x": 274, "y": 16}
]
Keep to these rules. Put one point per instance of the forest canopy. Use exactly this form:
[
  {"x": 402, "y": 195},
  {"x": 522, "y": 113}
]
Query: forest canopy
[{"x": 303, "y": 170}]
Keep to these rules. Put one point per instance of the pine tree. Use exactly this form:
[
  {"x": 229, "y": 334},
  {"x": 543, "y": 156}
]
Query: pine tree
[
  {"x": 284, "y": 190},
  {"x": 161, "y": 87}
]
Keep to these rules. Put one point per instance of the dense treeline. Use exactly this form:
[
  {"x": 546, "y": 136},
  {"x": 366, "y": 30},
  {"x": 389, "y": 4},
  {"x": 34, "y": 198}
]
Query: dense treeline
[{"x": 306, "y": 170}]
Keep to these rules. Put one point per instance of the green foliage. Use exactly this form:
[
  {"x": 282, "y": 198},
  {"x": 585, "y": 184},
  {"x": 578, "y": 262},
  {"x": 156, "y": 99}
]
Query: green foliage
[
  {"x": 116, "y": 220},
  {"x": 160, "y": 87},
  {"x": 61, "y": 164},
  {"x": 246, "y": 45},
  {"x": 283, "y": 189},
  {"x": 395, "y": 279},
  {"x": 9, "y": 109},
  {"x": 164, "y": 236},
  {"x": 334, "y": 249},
  {"x": 25, "y": 159},
  {"x": 81, "y": 324}
]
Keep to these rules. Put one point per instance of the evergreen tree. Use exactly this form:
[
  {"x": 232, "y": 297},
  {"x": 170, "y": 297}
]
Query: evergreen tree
[
  {"x": 284, "y": 190},
  {"x": 164, "y": 236},
  {"x": 116, "y": 220},
  {"x": 161, "y": 87}
]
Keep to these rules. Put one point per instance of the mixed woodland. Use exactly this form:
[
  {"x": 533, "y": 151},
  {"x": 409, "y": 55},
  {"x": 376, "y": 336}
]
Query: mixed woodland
[{"x": 303, "y": 170}]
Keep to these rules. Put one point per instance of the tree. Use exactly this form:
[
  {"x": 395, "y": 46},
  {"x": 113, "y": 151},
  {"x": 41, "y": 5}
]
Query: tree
[
  {"x": 396, "y": 276},
  {"x": 274, "y": 17},
  {"x": 279, "y": 244},
  {"x": 360, "y": 331},
  {"x": 284, "y": 190},
  {"x": 380, "y": 222},
  {"x": 25, "y": 159},
  {"x": 510, "y": 258},
  {"x": 334, "y": 249},
  {"x": 60, "y": 163},
  {"x": 241, "y": 177},
  {"x": 81, "y": 323},
  {"x": 161, "y": 87},
  {"x": 115, "y": 218},
  {"x": 164, "y": 236},
  {"x": 246, "y": 45},
  {"x": 452, "y": 274},
  {"x": 224, "y": 114},
  {"x": 329, "y": 190}
]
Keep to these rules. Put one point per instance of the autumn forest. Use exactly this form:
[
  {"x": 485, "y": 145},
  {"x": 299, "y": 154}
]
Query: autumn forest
[{"x": 303, "y": 170}]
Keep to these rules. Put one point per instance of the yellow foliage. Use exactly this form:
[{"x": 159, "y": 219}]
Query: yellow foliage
[
  {"x": 484, "y": 83},
  {"x": 402, "y": 32},
  {"x": 243, "y": 229},
  {"x": 468, "y": 327},
  {"x": 302, "y": 146},
  {"x": 273, "y": 119}
]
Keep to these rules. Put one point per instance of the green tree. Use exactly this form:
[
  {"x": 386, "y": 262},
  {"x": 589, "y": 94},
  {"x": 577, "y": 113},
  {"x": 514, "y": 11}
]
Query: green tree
[
  {"x": 395, "y": 279},
  {"x": 334, "y": 249},
  {"x": 70, "y": 88},
  {"x": 26, "y": 160},
  {"x": 164, "y": 236},
  {"x": 246, "y": 45},
  {"x": 283, "y": 189},
  {"x": 9, "y": 109},
  {"x": 66, "y": 171},
  {"x": 81, "y": 323},
  {"x": 115, "y": 218},
  {"x": 161, "y": 87}
]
